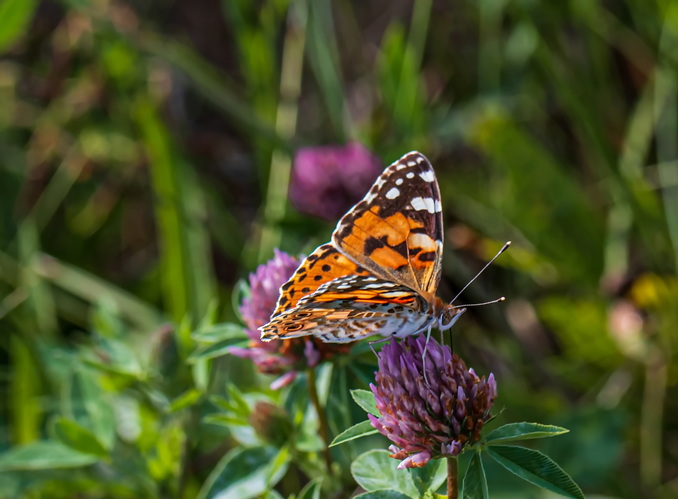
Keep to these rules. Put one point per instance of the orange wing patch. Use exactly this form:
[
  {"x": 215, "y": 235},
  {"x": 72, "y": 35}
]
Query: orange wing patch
[
  {"x": 395, "y": 247},
  {"x": 321, "y": 266}
]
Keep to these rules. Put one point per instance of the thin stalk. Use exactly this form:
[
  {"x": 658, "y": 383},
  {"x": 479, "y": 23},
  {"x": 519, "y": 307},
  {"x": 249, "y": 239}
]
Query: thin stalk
[
  {"x": 452, "y": 478},
  {"x": 322, "y": 417}
]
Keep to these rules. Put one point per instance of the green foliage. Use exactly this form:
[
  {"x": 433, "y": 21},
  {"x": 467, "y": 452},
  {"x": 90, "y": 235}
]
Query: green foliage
[
  {"x": 145, "y": 158},
  {"x": 374, "y": 471}
]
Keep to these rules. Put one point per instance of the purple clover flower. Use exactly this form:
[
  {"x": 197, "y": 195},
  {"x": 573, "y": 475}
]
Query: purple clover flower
[
  {"x": 284, "y": 357},
  {"x": 327, "y": 181},
  {"x": 429, "y": 420}
]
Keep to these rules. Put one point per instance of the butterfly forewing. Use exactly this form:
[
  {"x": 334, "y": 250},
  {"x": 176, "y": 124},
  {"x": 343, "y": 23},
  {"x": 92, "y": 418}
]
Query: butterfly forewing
[
  {"x": 321, "y": 266},
  {"x": 350, "y": 308},
  {"x": 395, "y": 232}
]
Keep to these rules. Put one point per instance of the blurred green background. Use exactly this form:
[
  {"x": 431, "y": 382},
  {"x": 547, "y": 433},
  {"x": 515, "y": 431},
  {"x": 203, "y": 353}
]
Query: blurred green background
[{"x": 145, "y": 150}]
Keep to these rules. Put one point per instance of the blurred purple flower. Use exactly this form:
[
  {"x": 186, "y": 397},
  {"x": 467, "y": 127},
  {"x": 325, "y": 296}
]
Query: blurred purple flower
[
  {"x": 284, "y": 357},
  {"x": 434, "y": 420},
  {"x": 327, "y": 181}
]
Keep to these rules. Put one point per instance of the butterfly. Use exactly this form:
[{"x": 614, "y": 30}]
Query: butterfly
[{"x": 379, "y": 273}]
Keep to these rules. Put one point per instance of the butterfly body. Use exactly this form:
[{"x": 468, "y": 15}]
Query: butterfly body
[{"x": 380, "y": 272}]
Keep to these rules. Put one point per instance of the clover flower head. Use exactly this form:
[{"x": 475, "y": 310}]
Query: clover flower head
[
  {"x": 432, "y": 416},
  {"x": 283, "y": 357}
]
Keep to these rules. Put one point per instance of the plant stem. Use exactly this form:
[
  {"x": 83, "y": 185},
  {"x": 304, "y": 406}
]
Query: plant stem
[
  {"x": 322, "y": 417},
  {"x": 452, "y": 478}
]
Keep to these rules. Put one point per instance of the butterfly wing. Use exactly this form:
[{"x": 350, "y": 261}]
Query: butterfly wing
[
  {"x": 321, "y": 266},
  {"x": 396, "y": 232},
  {"x": 350, "y": 308}
]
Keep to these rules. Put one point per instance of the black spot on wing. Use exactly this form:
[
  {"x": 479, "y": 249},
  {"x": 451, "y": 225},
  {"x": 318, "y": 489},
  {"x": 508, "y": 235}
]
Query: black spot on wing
[
  {"x": 429, "y": 256},
  {"x": 374, "y": 243}
]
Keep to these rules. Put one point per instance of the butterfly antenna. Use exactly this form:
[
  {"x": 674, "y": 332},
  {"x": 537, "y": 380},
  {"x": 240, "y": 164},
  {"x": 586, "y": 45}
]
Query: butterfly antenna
[
  {"x": 498, "y": 300},
  {"x": 503, "y": 248}
]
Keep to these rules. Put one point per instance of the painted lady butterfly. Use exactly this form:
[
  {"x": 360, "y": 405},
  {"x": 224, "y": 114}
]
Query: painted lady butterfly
[{"x": 380, "y": 272}]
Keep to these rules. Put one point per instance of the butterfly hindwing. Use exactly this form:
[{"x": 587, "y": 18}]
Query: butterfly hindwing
[
  {"x": 350, "y": 308},
  {"x": 395, "y": 232}
]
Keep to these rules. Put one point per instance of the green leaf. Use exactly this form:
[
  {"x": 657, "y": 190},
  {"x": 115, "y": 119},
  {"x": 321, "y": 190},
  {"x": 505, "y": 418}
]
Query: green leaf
[
  {"x": 187, "y": 399},
  {"x": 383, "y": 494},
  {"x": 77, "y": 437},
  {"x": 240, "y": 405},
  {"x": 365, "y": 399},
  {"x": 311, "y": 490},
  {"x": 14, "y": 18},
  {"x": 355, "y": 431},
  {"x": 215, "y": 350},
  {"x": 374, "y": 471},
  {"x": 243, "y": 473},
  {"x": 429, "y": 477},
  {"x": 523, "y": 431},
  {"x": 474, "y": 485},
  {"x": 225, "y": 420},
  {"x": 536, "y": 468},
  {"x": 219, "y": 332},
  {"x": 44, "y": 455},
  {"x": 278, "y": 465}
]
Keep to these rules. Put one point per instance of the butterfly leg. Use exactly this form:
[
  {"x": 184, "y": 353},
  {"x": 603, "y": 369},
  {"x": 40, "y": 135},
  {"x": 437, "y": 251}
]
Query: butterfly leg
[
  {"x": 423, "y": 357},
  {"x": 374, "y": 342}
]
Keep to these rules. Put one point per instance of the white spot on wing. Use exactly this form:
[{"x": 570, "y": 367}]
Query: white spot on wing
[
  {"x": 410, "y": 175},
  {"x": 437, "y": 206},
  {"x": 393, "y": 193},
  {"x": 411, "y": 163},
  {"x": 421, "y": 204},
  {"x": 427, "y": 176},
  {"x": 399, "y": 181},
  {"x": 377, "y": 285}
]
